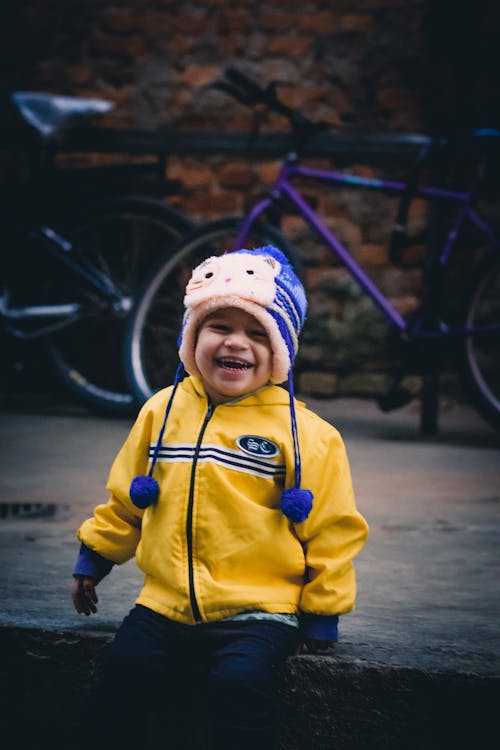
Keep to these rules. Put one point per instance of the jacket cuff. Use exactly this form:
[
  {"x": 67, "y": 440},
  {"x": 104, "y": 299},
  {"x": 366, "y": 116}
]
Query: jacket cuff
[
  {"x": 320, "y": 627},
  {"x": 91, "y": 564}
]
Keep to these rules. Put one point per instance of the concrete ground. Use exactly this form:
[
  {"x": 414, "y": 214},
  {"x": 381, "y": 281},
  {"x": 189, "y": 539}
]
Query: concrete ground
[{"x": 428, "y": 592}]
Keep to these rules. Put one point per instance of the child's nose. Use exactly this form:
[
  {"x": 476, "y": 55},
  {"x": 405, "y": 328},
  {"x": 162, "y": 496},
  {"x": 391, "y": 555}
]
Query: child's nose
[{"x": 235, "y": 339}]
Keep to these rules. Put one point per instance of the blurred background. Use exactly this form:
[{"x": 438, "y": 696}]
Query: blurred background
[{"x": 367, "y": 68}]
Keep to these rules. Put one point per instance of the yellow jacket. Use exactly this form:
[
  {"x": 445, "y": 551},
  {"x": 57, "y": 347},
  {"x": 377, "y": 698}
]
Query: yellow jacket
[{"x": 216, "y": 543}]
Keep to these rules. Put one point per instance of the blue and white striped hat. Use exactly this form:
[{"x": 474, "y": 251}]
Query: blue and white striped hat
[{"x": 263, "y": 283}]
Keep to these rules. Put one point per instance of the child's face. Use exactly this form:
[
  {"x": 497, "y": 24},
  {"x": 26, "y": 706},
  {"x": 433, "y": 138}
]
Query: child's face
[{"x": 233, "y": 354}]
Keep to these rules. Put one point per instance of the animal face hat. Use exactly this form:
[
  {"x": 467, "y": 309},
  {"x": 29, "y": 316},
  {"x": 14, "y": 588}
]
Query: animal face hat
[{"x": 263, "y": 283}]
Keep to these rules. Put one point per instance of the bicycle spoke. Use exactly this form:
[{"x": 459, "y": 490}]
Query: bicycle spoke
[
  {"x": 118, "y": 246},
  {"x": 481, "y": 352}
]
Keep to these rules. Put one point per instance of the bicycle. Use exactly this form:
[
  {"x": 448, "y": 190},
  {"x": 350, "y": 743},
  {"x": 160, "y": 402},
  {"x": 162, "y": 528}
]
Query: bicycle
[
  {"x": 472, "y": 330},
  {"x": 74, "y": 255}
]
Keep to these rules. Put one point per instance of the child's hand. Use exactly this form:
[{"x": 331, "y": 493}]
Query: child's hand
[
  {"x": 84, "y": 595},
  {"x": 315, "y": 646}
]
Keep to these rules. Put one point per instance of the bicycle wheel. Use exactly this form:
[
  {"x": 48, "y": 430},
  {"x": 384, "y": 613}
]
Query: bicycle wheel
[
  {"x": 154, "y": 326},
  {"x": 480, "y": 351},
  {"x": 121, "y": 238}
]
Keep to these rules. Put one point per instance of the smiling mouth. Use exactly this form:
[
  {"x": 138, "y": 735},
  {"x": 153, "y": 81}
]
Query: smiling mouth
[{"x": 231, "y": 364}]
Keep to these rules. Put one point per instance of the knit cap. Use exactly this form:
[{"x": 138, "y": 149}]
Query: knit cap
[{"x": 263, "y": 283}]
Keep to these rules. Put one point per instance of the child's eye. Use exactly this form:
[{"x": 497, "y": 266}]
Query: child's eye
[
  {"x": 209, "y": 275},
  {"x": 259, "y": 334},
  {"x": 250, "y": 272}
]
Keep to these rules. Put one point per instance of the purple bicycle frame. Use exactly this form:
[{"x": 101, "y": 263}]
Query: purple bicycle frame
[{"x": 282, "y": 186}]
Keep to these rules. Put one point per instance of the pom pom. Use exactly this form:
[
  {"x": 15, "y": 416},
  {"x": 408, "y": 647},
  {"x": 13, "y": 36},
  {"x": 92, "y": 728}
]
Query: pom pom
[
  {"x": 296, "y": 503},
  {"x": 144, "y": 491}
]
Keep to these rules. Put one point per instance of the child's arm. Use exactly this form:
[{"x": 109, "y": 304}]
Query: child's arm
[
  {"x": 111, "y": 535},
  {"x": 332, "y": 535},
  {"x": 90, "y": 568}
]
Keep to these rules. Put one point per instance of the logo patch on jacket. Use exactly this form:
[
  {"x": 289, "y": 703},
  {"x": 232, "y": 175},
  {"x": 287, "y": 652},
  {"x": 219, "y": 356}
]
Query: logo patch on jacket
[{"x": 257, "y": 446}]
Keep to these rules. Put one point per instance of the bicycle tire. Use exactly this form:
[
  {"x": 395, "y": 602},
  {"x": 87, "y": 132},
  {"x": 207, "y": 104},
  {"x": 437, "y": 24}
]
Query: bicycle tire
[
  {"x": 124, "y": 238},
  {"x": 151, "y": 340},
  {"x": 480, "y": 354}
]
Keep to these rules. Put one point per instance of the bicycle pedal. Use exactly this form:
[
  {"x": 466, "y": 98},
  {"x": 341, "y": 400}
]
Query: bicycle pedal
[{"x": 394, "y": 399}]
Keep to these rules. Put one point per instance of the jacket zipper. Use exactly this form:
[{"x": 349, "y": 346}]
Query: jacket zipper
[{"x": 189, "y": 521}]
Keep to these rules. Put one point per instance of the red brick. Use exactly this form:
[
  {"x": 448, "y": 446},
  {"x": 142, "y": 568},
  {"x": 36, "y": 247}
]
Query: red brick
[
  {"x": 292, "y": 226},
  {"x": 416, "y": 281},
  {"x": 363, "y": 170},
  {"x": 237, "y": 174},
  {"x": 405, "y": 304},
  {"x": 299, "y": 96},
  {"x": 191, "y": 22},
  {"x": 280, "y": 69},
  {"x": 371, "y": 254},
  {"x": 236, "y": 19},
  {"x": 209, "y": 205},
  {"x": 268, "y": 172},
  {"x": 178, "y": 45},
  {"x": 155, "y": 22},
  {"x": 323, "y": 22},
  {"x": 419, "y": 208},
  {"x": 414, "y": 255},
  {"x": 361, "y": 22},
  {"x": 276, "y": 19},
  {"x": 289, "y": 45},
  {"x": 199, "y": 75},
  {"x": 347, "y": 231},
  {"x": 79, "y": 74},
  {"x": 315, "y": 277},
  {"x": 394, "y": 281},
  {"x": 192, "y": 176},
  {"x": 332, "y": 206},
  {"x": 110, "y": 46}
]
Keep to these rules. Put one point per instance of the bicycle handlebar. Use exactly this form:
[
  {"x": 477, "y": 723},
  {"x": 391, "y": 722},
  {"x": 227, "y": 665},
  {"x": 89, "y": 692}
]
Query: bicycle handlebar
[{"x": 248, "y": 92}]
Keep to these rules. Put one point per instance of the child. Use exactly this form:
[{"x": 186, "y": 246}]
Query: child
[{"x": 247, "y": 530}]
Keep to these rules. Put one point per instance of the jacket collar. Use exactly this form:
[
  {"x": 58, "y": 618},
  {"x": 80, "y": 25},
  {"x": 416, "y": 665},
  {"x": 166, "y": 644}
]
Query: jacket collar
[{"x": 267, "y": 395}]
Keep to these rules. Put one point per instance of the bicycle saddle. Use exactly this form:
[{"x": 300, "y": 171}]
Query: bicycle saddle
[{"x": 51, "y": 114}]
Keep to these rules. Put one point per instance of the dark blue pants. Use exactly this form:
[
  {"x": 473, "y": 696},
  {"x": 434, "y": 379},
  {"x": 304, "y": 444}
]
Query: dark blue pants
[{"x": 223, "y": 673}]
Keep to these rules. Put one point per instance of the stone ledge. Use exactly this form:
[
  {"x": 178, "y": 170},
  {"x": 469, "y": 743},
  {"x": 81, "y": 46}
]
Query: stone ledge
[{"x": 342, "y": 702}]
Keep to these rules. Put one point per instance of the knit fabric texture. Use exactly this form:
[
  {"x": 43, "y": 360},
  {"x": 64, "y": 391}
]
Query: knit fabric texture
[{"x": 263, "y": 283}]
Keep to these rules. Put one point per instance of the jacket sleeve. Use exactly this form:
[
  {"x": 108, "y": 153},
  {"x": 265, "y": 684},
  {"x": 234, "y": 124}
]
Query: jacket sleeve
[
  {"x": 115, "y": 528},
  {"x": 335, "y": 531},
  {"x": 320, "y": 627},
  {"x": 91, "y": 564}
]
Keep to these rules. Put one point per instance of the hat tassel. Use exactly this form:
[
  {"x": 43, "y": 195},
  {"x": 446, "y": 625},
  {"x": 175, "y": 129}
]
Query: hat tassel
[
  {"x": 296, "y": 503},
  {"x": 144, "y": 489}
]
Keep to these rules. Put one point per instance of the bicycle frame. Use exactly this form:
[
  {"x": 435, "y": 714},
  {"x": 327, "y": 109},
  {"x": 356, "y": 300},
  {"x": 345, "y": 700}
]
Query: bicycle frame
[
  {"x": 98, "y": 282},
  {"x": 283, "y": 187}
]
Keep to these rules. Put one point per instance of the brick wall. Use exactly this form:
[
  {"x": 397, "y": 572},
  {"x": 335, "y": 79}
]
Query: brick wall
[{"x": 369, "y": 65}]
